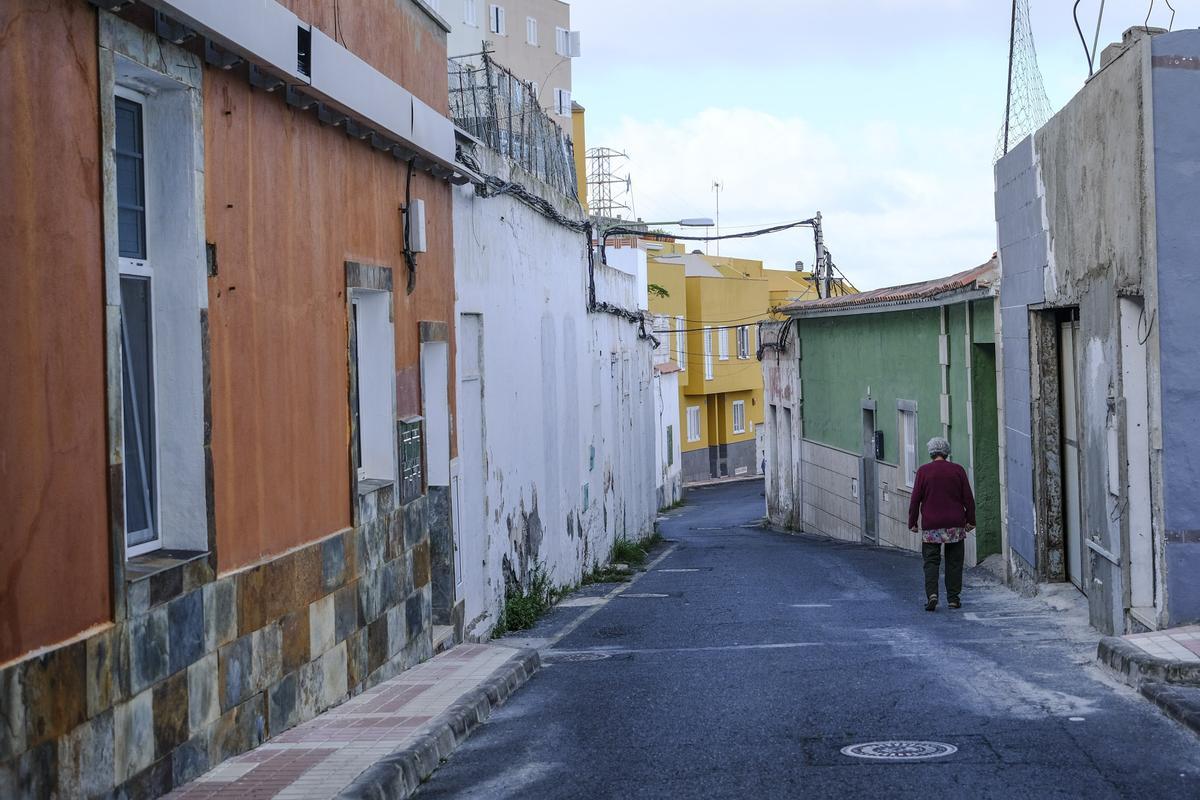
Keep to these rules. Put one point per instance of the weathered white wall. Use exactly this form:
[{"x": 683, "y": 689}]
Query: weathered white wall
[
  {"x": 668, "y": 467},
  {"x": 564, "y": 437},
  {"x": 781, "y": 394}
]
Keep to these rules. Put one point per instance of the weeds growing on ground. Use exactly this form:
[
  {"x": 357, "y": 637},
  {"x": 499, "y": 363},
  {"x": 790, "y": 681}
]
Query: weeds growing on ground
[{"x": 524, "y": 607}]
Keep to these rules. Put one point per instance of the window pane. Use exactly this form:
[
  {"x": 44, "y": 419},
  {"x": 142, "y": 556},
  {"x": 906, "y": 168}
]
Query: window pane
[
  {"x": 137, "y": 368},
  {"x": 131, "y": 181}
]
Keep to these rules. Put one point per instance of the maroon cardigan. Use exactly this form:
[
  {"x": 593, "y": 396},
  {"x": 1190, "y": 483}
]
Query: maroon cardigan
[{"x": 942, "y": 496}]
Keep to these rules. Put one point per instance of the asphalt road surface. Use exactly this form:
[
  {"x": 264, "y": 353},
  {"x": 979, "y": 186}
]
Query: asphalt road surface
[{"x": 744, "y": 661}]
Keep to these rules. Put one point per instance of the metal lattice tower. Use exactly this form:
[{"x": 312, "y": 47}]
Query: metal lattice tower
[
  {"x": 608, "y": 183},
  {"x": 1027, "y": 107}
]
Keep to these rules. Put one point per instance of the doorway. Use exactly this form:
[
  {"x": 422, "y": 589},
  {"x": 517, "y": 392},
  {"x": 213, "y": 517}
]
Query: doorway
[
  {"x": 868, "y": 497},
  {"x": 1068, "y": 361},
  {"x": 1135, "y": 335},
  {"x": 472, "y": 532}
]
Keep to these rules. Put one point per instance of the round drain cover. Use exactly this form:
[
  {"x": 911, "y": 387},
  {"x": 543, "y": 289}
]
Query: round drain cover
[{"x": 899, "y": 750}]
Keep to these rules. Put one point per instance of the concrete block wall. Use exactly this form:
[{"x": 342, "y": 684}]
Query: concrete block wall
[
  {"x": 1024, "y": 255},
  {"x": 829, "y": 505},
  {"x": 893, "y": 510},
  {"x": 207, "y": 667}
]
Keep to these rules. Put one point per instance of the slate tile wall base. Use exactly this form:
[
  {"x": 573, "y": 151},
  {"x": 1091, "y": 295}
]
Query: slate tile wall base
[{"x": 210, "y": 668}]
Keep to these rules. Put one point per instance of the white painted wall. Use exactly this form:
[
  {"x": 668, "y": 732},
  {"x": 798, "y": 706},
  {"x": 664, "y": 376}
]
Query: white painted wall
[
  {"x": 668, "y": 454},
  {"x": 556, "y": 409}
]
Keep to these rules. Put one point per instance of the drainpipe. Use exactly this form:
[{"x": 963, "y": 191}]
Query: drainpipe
[
  {"x": 944, "y": 360},
  {"x": 968, "y": 364}
]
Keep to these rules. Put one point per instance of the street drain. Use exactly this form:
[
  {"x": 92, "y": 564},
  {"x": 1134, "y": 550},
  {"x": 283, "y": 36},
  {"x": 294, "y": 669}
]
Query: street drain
[
  {"x": 899, "y": 750},
  {"x": 554, "y": 658},
  {"x": 642, "y": 595}
]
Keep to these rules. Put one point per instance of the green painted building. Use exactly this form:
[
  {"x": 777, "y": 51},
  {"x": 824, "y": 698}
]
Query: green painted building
[{"x": 856, "y": 386}]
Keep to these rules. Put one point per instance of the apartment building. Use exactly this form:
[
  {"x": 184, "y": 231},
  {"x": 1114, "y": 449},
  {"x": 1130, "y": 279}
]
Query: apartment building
[
  {"x": 708, "y": 318},
  {"x": 533, "y": 38}
]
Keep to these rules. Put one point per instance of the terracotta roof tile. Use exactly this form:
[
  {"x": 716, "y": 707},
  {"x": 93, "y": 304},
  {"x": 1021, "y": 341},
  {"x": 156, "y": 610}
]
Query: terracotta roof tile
[{"x": 975, "y": 278}]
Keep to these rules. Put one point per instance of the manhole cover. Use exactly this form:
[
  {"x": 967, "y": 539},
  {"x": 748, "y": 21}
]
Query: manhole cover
[
  {"x": 899, "y": 750},
  {"x": 557, "y": 657}
]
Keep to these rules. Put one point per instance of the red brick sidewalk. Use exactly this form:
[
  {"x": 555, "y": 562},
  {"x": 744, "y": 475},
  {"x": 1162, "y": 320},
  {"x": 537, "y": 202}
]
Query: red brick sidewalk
[{"x": 324, "y": 755}]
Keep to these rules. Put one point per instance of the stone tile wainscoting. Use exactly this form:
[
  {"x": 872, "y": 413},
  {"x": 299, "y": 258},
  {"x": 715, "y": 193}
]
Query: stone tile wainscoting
[{"x": 203, "y": 669}]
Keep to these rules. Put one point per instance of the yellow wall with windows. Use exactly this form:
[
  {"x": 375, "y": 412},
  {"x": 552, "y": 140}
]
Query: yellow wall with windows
[
  {"x": 732, "y": 293},
  {"x": 723, "y": 305}
]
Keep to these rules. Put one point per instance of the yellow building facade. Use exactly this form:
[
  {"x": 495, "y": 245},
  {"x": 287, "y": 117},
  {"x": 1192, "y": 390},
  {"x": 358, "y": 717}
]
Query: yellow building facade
[{"x": 707, "y": 314}]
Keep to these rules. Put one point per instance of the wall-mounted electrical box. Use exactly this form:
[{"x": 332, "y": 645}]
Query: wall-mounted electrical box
[{"x": 415, "y": 226}]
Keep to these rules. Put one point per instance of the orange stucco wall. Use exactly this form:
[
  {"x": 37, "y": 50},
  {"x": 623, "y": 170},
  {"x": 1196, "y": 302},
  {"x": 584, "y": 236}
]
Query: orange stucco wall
[
  {"x": 288, "y": 202},
  {"x": 54, "y": 560}
]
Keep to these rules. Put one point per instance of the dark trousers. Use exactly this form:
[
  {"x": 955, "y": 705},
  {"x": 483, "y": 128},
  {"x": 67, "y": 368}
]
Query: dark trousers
[{"x": 954, "y": 565}]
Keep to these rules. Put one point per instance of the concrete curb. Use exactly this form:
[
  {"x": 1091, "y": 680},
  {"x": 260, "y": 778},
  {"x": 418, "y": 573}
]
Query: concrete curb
[
  {"x": 1135, "y": 667},
  {"x": 400, "y": 774},
  {"x": 1180, "y": 703}
]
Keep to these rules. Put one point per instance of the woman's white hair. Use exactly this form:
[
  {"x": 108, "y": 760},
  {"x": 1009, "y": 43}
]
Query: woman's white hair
[{"x": 938, "y": 446}]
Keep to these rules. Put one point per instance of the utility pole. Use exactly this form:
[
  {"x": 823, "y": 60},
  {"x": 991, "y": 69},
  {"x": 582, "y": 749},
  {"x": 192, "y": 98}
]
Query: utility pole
[
  {"x": 717, "y": 187},
  {"x": 822, "y": 269}
]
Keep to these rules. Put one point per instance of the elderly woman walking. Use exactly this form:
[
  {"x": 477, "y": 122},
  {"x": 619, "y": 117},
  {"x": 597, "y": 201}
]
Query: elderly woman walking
[{"x": 943, "y": 500}]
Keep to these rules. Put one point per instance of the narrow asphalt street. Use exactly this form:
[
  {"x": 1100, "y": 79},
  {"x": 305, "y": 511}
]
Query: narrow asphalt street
[{"x": 745, "y": 660}]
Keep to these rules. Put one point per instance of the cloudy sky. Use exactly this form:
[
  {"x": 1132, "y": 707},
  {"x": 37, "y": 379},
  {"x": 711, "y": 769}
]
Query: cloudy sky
[{"x": 882, "y": 114}]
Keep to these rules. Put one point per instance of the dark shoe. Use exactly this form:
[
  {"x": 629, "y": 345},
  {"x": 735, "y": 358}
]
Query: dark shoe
[
  {"x": 931, "y": 603},
  {"x": 955, "y": 603}
]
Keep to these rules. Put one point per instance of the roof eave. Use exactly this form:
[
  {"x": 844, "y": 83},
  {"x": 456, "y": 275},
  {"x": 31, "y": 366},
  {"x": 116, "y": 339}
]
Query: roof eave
[{"x": 944, "y": 299}]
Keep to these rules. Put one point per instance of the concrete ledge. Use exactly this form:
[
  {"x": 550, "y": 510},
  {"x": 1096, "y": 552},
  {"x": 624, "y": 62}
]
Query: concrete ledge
[
  {"x": 401, "y": 773},
  {"x": 1135, "y": 667},
  {"x": 1180, "y": 703}
]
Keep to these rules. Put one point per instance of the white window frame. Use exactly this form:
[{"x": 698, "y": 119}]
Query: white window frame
[
  {"x": 471, "y": 13},
  {"x": 739, "y": 415},
  {"x": 374, "y": 358},
  {"x": 722, "y": 344},
  {"x": 708, "y": 354},
  {"x": 497, "y": 20},
  {"x": 562, "y": 41},
  {"x": 144, "y": 268},
  {"x": 906, "y": 427},
  {"x": 693, "y": 423},
  {"x": 680, "y": 345},
  {"x": 562, "y": 102},
  {"x": 531, "y": 31},
  {"x": 743, "y": 341}
]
